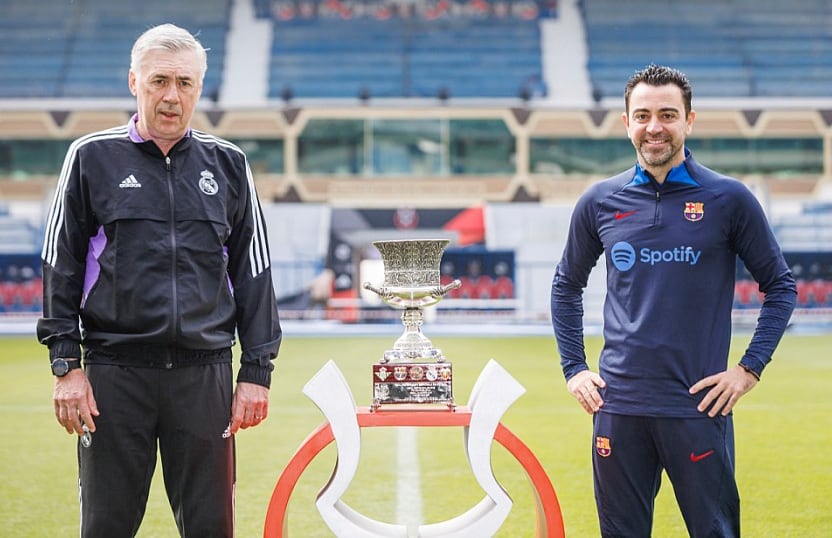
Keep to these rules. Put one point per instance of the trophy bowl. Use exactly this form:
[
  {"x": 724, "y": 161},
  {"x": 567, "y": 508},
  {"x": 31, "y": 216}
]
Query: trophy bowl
[{"x": 411, "y": 283}]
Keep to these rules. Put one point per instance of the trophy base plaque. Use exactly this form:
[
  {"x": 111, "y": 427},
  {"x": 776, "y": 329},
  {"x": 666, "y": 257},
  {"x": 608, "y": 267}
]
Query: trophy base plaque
[{"x": 413, "y": 383}]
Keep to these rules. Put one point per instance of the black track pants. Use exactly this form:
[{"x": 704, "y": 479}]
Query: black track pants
[{"x": 187, "y": 412}]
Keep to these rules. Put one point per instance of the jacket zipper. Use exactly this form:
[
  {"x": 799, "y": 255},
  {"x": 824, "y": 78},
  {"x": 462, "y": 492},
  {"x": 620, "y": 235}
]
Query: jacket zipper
[
  {"x": 658, "y": 204},
  {"x": 172, "y": 199}
]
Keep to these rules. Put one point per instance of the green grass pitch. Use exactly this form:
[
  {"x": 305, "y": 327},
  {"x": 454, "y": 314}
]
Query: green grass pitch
[{"x": 783, "y": 430}]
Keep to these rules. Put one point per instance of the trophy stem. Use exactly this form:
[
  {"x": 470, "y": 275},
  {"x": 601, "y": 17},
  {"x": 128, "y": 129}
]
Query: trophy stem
[
  {"x": 412, "y": 339},
  {"x": 412, "y": 344}
]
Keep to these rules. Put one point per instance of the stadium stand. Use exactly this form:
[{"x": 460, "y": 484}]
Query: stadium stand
[
  {"x": 20, "y": 282},
  {"x": 806, "y": 241},
  {"x": 18, "y": 233},
  {"x": 326, "y": 49},
  {"x": 728, "y": 48},
  {"x": 33, "y": 41},
  {"x": 81, "y": 48},
  {"x": 332, "y": 49}
]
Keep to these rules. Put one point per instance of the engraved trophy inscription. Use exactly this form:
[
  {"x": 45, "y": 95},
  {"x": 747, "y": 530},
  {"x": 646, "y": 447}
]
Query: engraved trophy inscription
[{"x": 413, "y": 371}]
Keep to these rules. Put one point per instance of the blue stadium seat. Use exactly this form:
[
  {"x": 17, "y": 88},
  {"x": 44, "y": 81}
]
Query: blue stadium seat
[
  {"x": 328, "y": 57},
  {"x": 82, "y": 49},
  {"x": 742, "y": 48}
]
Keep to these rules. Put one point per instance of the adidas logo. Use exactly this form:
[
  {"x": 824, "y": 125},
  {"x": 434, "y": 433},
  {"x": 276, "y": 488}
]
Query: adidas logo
[{"x": 130, "y": 182}]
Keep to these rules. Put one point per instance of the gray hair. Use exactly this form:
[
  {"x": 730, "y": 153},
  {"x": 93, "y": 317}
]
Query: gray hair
[{"x": 171, "y": 38}]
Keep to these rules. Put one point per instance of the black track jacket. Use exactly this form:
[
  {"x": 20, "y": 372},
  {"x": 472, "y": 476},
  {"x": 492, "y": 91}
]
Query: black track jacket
[{"x": 158, "y": 252}]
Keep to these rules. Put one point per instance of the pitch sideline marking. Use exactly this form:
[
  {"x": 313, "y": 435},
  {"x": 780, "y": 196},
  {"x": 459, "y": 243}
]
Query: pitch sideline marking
[{"x": 408, "y": 483}]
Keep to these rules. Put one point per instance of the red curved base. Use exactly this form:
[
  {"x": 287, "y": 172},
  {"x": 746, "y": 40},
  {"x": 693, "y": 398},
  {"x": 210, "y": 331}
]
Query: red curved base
[{"x": 549, "y": 517}]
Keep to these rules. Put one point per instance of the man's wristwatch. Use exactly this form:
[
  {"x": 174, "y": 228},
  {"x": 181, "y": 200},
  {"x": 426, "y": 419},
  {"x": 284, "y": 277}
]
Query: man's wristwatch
[{"x": 61, "y": 367}]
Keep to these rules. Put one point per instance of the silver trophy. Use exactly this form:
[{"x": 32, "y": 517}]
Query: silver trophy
[{"x": 411, "y": 282}]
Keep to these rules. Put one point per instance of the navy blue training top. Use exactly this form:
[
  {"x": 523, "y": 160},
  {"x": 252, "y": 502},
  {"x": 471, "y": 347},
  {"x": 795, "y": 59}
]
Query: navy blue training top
[{"x": 671, "y": 252}]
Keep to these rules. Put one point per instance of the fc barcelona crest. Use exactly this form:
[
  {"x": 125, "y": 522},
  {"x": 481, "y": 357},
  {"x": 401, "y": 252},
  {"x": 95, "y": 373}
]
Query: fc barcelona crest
[
  {"x": 400, "y": 373},
  {"x": 602, "y": 446},
  {"x": 694, "y": 211}
]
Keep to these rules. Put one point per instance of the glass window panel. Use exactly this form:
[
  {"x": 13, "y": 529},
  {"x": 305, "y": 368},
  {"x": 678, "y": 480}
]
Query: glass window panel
[
  {"x": 481, "y": 147},
  {"x": 580, "y": 156},
  {"x": 265, "y": 155},
  {"x": 741, "y": 156},
  {"x": 732, "y": 156},
  {"x": 331, "y": 147},
  {"x": 438, "y": 147},
  {"x": 407, "y": 147},
  {"x": 22, "y": 158}
]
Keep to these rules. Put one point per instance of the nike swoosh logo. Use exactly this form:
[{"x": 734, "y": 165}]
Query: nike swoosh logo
[
  {"x": 699, "y": 457},
  {"x": 620, "y": 215}
]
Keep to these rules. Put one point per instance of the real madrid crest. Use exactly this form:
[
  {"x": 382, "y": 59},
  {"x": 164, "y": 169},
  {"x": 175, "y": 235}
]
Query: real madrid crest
[{"x": 207, "y": 183}]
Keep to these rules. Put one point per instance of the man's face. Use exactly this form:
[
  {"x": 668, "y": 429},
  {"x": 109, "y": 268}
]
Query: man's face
[
  {"x": 167, "y": 87},
  {"x": 657, "y": 126}
]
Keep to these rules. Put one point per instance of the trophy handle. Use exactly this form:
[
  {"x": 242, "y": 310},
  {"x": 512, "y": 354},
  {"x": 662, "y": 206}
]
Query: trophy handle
[
  {"x": 384, "y": 293},
  {"x": 442, "y": 290}
]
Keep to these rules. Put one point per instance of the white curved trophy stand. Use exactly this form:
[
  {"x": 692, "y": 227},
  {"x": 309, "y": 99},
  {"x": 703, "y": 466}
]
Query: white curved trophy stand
[{"x": 493, "y": 393}]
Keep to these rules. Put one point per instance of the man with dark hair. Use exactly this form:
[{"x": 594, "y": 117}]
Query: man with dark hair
[
  {"x": 156, "y": 244},
  {"x": 671, "y": 231}
]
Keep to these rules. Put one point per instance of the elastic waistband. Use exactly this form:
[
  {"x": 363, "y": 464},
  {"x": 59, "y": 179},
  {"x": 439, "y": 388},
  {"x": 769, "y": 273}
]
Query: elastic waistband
[{"x": 153, "y": 356}]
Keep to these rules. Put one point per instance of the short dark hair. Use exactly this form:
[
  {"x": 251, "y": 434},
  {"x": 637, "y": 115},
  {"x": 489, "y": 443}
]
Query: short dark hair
[{"x": 659, "y": 75}]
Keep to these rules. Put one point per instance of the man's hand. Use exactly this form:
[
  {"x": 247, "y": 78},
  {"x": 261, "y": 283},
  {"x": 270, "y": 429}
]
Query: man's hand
[
  {"x": 250, "y": 406},
  {"x": 74, "y": 402},
  {"x": 727, "y": 388},
  {"x": 584, "y": 387}
]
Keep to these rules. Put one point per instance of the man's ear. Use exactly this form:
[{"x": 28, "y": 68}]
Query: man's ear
[{"x": 691, "y": 117}]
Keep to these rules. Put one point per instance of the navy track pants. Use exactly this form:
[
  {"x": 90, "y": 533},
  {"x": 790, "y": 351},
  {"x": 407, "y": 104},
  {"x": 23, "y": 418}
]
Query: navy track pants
[{"x": 630, "y": 453}]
